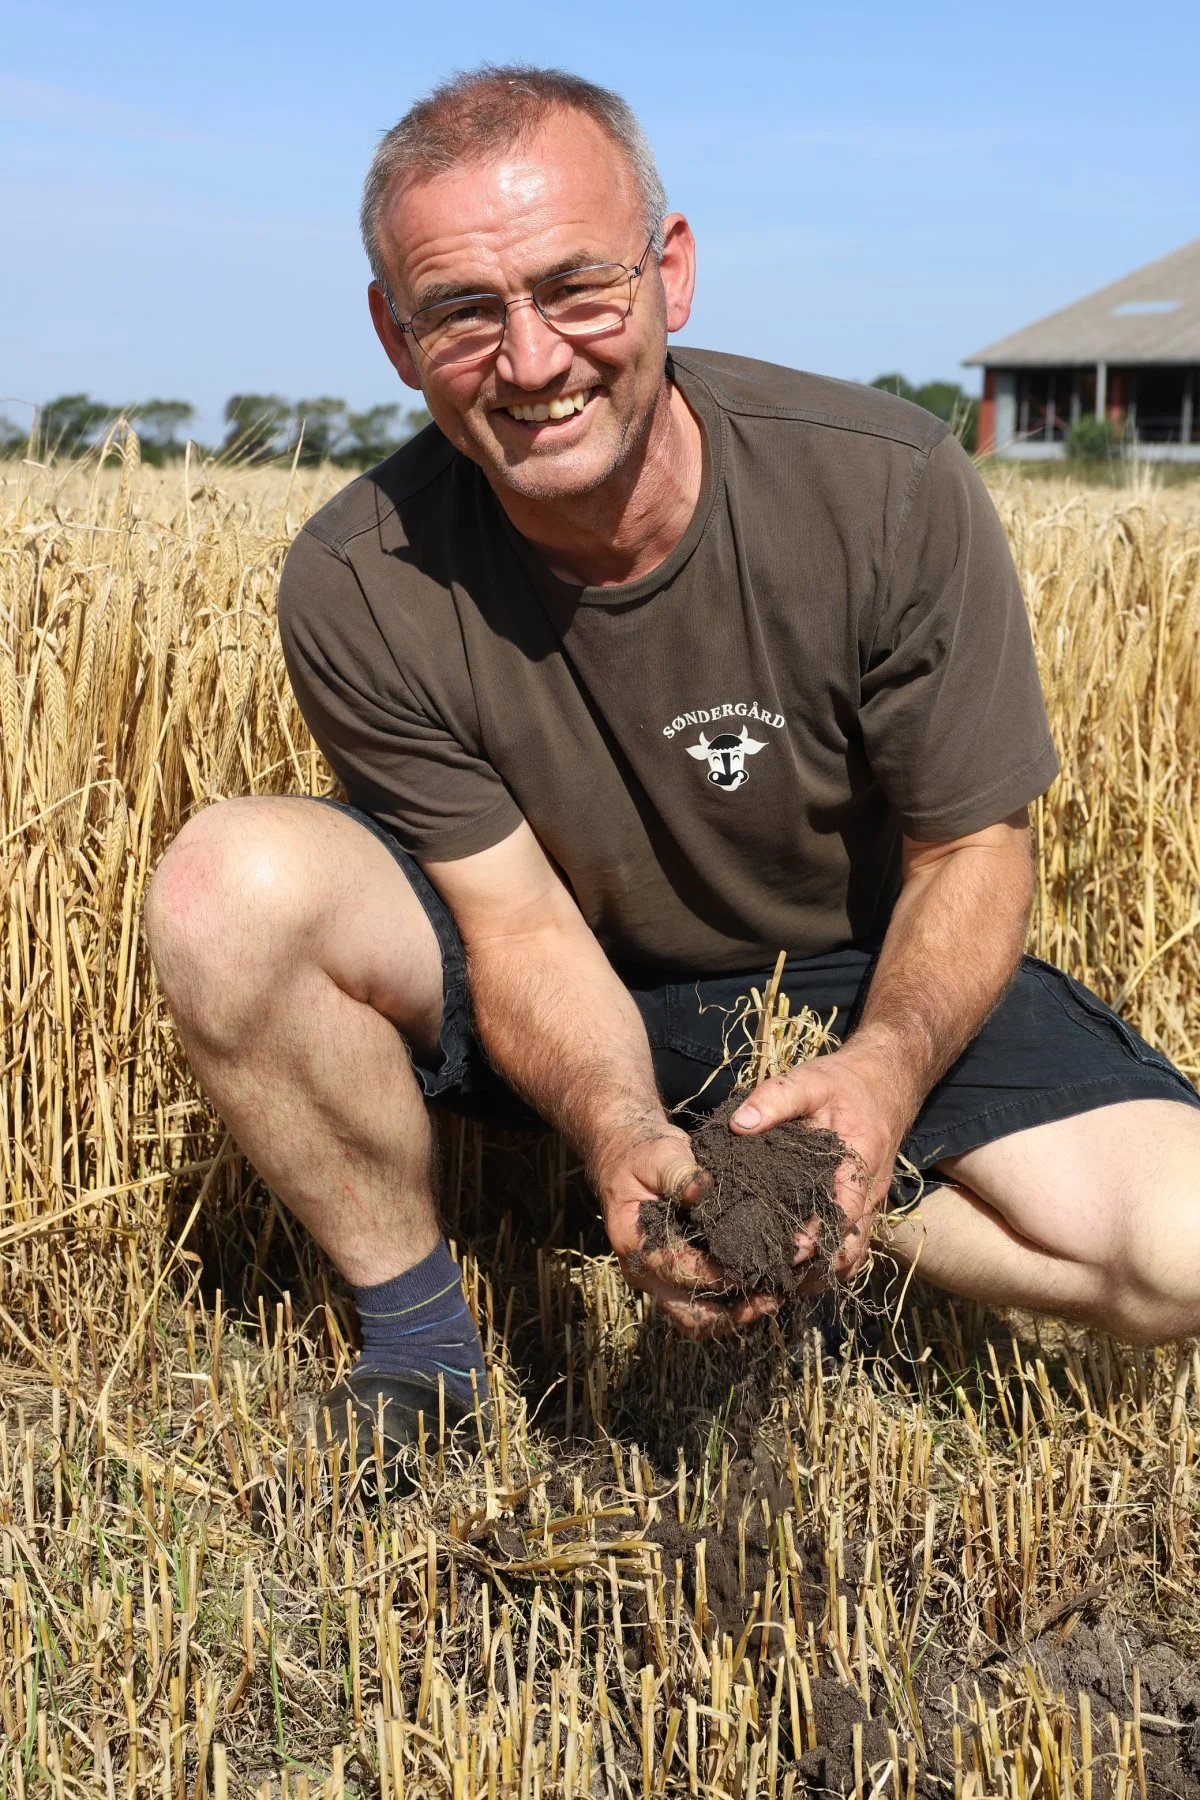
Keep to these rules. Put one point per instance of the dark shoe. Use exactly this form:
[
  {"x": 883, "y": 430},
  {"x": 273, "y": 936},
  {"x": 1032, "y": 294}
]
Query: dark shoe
[{"x": 349, "y": 1413}]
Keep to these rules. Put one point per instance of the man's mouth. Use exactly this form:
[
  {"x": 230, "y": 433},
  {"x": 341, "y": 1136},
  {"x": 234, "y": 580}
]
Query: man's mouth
[{"x": 542, "y": 412}]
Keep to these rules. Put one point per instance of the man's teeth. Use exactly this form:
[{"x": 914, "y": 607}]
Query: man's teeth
[{"x": 552, "y": 409}]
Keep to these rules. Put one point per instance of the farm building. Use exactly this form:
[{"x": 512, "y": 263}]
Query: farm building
[{"x": 1129, "y": 353}]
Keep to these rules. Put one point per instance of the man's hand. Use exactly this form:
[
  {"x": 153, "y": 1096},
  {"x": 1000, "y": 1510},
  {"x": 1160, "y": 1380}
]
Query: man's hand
[
  {"x": 846, "y": 1092},
  {"x": 658, "y": 1165}
]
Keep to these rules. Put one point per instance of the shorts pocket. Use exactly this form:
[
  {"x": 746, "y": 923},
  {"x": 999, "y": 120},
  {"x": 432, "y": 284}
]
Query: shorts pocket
[
  {"x": 1092, "y": 1013},
  {"x": 695, "y": 1023}
]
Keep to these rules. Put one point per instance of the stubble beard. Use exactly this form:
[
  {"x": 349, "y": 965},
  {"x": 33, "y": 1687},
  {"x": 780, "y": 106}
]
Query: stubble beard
[{"x": 632, "y": 433}]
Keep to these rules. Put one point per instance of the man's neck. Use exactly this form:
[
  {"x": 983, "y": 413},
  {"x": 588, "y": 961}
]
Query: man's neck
[{"x": 629, "y": 526}]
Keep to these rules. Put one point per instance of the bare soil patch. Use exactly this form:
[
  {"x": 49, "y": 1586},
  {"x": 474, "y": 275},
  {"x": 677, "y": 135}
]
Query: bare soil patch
[{"x": 1073, "y": 1659}]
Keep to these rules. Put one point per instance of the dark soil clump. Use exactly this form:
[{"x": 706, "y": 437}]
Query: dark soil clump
[
  {"x": 1100, "y": 1660},
  {"x": 765, "y": 1189},
  {"x": 837, "y": 1709}
]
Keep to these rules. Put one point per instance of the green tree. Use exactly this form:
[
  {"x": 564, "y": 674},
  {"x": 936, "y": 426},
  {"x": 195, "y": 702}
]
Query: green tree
[
  {"x": 944, "y": 399},
  {"x": 12, "y": 439},
  {"x": 72, "y": 422},
  {"x": 159, "y": 423},
  {"x": 319, "y": 426},
  {"x": 895, "y": 384},
  {"x": 258, "y": 426},
  {"x": 375, "y": 434},
  {"x": 371, "y": 435},
  {"x": 262, "y": 426}
]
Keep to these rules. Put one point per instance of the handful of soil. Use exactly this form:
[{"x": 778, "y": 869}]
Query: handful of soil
[{"x": 766, "y": 1187}]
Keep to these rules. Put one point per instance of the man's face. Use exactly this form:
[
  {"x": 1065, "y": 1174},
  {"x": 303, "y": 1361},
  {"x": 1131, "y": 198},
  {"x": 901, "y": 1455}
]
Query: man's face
[{"x": 565, "y": 198}]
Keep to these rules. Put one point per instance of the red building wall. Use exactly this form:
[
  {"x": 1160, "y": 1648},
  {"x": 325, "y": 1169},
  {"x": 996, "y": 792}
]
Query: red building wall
[
  {"x": 985, "y": 440},
  {"x": 1118, "y": 395}
]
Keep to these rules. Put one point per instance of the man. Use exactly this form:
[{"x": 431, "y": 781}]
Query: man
[{"x": 637, "y": 669}]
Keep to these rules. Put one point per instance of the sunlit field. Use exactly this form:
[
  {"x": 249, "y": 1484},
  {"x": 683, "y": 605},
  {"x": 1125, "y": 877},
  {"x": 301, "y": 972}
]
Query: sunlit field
[{"x": 925, "y": 1550}]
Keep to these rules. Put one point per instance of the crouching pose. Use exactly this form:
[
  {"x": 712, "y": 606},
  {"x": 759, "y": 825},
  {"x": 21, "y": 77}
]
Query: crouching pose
[{"x": 637, "y": 666}]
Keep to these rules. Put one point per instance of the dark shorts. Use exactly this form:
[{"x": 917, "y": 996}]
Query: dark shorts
[{"x": 1050, "y": 1050}]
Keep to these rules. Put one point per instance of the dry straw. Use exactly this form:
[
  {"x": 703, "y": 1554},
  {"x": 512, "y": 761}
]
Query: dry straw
[{"x": 194, "y": 1601}]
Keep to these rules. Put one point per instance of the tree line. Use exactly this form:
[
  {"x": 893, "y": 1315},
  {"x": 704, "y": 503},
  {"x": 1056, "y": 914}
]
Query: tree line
[
  {"x": 944, "y": 399},
  {"x": 258, "y": 428},
  {"x": 265, "y": 427}
]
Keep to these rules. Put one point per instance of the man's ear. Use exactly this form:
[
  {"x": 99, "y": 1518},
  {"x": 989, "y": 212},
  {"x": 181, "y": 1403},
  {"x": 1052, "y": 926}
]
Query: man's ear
[
  {"x": 677, "y": 269},
  {"x": 396, "y": 343}
]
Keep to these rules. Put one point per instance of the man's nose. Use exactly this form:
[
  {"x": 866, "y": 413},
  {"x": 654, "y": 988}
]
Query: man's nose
[{"x": 532, "y": 354}]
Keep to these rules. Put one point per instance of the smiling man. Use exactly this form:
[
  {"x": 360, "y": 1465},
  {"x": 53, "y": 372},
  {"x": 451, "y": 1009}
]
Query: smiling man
[{"x": 638, "y": 667}]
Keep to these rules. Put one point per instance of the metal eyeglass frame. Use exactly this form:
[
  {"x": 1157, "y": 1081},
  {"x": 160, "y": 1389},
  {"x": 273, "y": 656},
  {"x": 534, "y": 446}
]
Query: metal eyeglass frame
[{"x": 529, "y": 299}]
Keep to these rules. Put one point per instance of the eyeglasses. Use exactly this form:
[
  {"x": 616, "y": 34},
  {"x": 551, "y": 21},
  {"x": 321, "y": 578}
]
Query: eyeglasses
[{"x": 579, "y": 303}]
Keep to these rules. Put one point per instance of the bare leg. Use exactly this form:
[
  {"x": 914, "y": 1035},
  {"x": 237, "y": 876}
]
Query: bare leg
[
  {"x": 291, "y": 948},
  {"x": 1094, "y": 1218}
]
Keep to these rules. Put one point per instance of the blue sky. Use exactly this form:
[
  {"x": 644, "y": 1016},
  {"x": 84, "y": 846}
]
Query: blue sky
[{"x": 872, "y": 186}]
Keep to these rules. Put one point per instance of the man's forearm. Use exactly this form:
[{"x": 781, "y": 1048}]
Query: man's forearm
[
  {"x": 951, "y": 949},
  {"x": 556, "y": 1021},
  {"x": 560, "y": 1027}
]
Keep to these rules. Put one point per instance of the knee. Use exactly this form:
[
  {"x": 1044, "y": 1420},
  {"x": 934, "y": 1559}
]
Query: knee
[
  {"x": 224, "y": 912},
  {"x": 1162, "y": 1266}
]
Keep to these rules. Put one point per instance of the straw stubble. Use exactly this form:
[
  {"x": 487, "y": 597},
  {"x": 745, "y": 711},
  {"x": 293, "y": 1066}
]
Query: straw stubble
[{"x": 929, "y": 1574}]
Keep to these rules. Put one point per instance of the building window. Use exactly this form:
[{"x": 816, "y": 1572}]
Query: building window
[
  {"x": 1158, "y": 403},
  {"x": 1049, "y": 400}
]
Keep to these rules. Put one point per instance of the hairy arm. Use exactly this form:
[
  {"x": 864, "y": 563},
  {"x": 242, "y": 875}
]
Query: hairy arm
[
  {"x": 561, "y": 1028},
  {"x": 952, "y": 946}
]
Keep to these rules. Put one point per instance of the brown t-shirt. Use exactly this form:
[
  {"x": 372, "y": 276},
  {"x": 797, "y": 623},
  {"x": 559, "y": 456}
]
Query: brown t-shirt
[{"x": 722, "y": 755}]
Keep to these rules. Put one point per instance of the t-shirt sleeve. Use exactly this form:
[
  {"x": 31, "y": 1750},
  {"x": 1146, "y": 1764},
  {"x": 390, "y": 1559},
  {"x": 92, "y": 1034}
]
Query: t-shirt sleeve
[
  {"x": 951, "y": 710},
  {"x": 382, "y": 736}
]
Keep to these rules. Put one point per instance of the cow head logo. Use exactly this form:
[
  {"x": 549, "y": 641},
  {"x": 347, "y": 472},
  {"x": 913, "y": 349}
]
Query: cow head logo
[{"x": 726, "y": 757}]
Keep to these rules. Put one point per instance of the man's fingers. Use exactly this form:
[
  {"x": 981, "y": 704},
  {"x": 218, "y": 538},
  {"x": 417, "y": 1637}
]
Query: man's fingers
[
  {"x": 853, "y": 1251},
  {"x": 673, "y": 1264},
  {"x": 806, "y": 1241},
  {"x": 850, "y": 1253},
  {"x": 676, "y": 1263},
  {"x": 853, "y": 1184},
  {"x": 685, "y": 1183},
  {"x": 690, "y": 1290},
  {"x": 781, "y": 1097},
  {"x": 698, "y": 1316}
]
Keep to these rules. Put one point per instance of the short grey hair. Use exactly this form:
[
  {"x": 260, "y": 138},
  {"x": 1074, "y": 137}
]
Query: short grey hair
[{"x": 488, "y": 109}]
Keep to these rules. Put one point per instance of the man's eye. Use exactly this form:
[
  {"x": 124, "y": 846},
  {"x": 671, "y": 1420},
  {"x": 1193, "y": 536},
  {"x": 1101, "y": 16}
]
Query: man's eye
[
  {"x": 456, "y": 314},
  {"x": 571, "y": 290}
]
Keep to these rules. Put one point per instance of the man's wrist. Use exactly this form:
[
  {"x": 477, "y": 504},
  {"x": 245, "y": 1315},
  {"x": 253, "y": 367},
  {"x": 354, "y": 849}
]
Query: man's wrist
[
  {"x": 896, "y": 1068},
  {"x": 617, "y": 1137}
]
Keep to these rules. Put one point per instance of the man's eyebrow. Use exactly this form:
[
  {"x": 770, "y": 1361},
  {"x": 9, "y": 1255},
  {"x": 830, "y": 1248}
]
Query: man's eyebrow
[{"x": 437, "y": 292}]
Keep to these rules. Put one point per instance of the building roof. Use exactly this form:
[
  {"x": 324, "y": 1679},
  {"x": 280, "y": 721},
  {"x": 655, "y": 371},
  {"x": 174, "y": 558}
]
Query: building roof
[{"x": 1151, "y": 316}]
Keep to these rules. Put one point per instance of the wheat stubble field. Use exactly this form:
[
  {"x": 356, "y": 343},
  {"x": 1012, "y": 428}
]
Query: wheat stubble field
[{"x": 940, "y": 1553}]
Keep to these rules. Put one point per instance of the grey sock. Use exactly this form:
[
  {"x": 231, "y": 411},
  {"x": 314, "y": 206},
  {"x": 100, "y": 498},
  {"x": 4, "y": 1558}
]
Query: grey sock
[{"x": 418, "y": 1323}]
